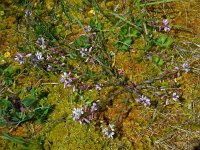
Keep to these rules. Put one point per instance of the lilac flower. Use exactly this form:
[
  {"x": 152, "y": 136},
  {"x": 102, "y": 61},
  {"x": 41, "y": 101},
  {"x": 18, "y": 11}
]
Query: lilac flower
[
  {"x": 28, "y": 55},
  {"x": 87, "y": 29},
  {"x": 84, "y": 115},
  {"x": 39, "y": 55},
  {"x": 49, "y": 68},
  {"x": 186, "y": 67},
  {"x": 66, "y": 79},
  {"x": 49, "y": 57},
  {"x": 165, "y": 22},
  {"x": 90, "y": 49},
  {"x": 175, "y": 96},
  {"x": 83, "y": 52},
  {"x": 63, "y": 77},
  {"x": 94, "y": 107},
  {"x": 68, "y": 83},
  {"x": 63, "y": 64},
  {"x": 167, "y": 28},
  {"x": 98, "y": 87},
  {"x": 74, "y": 89},
  {"x": 77, "y": 113},
  {"x": 166, "y": 25},
  {"x": 19, "y": 58},
  {"x": 41, "y": 42},
  {"x": 167, "y": 102},
  {"x": 109, "y": 131},
  {"x": 144, "y": 100}
]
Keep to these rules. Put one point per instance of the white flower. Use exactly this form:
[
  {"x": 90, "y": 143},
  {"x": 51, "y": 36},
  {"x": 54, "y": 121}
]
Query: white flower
[
  {"x": 41, "y": 42},
  {"x": 39, "y": 55},
  {"x": 175, "y": 96},
  {"x": 144, "y": 100},
  {"x": 49, "y": 67},
  {"x": 63, "y": 77},
  {"x": 87, "y": 29},
  {"x": 109, "y": 132},
  {"x": 98, "y": 87},
  {"x": 76, "y": 113},
  {"x": 186, "y": 67}
]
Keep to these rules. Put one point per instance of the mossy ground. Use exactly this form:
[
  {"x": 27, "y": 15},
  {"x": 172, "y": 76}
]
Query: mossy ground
[{"x": 160, "y": 126}]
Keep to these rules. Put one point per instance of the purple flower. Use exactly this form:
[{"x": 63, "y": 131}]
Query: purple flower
[
  {"x": 49, "y": 68},
  {"x": 87, "y": 29},
  {"x": 175, "y": 96},
  {"x": 165, "y": 22},
  {"x": 167, "y": 102},
  {"x": 41, "y": 42},
  {"x": 19, "y": 58},
  {"x": 66, "y": 79},
  {"x": 77, "y": 113},
  {"x": 68, "y": 83},
  {"x": 144, "y": 100},
  {"x": 109, "y": 131},
  {"x": 166, "y": 25},
  {"x": 28, "y": 55},
  {"x": 94, "y": 107},
  {"x": 98, "y": 87},
  {"x": 186, "y": 67},
  {"x": 63, "y": 77},
  {"x": 84, "y": 115},
  {"x": 83, "y": 52},
  {"x": 167, "y": 28}
]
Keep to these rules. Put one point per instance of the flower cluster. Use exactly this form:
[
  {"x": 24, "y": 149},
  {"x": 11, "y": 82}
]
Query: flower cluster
[
  {"x": 174, "y": 96},
  {"x": 144, "y": 100},
  {"x": 55, "y": 58},
  {"x": 67, "y": 79},
  {"x": 109, "y": 131},
  {"x": 52, "y": 59},
  {"x": 85, "y": 53},
  {"x": 85, "y": 115},
  {"x": 20, "y": 58}
]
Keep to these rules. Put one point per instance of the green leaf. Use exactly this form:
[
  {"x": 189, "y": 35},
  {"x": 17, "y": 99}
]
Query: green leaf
[
  {"x": 29, "y": 100},
  {"x": 124, "y": 48},
  {"x": 128, "y": 41},
  {"x": 3, "y": 122},
  {"x": 8, "y": 71},
  {"x": 12, "y": 139},
  {"x": 124, "y": 30},
  {"x": 134, "y": 33},
  {"x": 5, "y": 104},
  {"x": 164, "y": 41},
  {"x": 158, "y": 61},
  {"x": 41, "y": 113}
]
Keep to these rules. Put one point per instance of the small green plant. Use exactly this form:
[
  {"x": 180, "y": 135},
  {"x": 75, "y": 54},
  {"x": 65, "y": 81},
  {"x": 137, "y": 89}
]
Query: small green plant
[
  {"x": 164, "y": 41},
  {"x": 126, "y": 37},
  {"x": 15, "y": 111}
]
